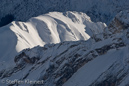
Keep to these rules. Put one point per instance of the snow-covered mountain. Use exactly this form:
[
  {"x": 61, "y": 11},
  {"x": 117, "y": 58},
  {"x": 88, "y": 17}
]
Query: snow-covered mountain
[
  {"x": 101, "y": 59},
  {"x": 54, "y": 27},
  {"x": 111, "y": 66},
  {"x": 64, "y": 48},
  {"x": 98, "y": 10}
]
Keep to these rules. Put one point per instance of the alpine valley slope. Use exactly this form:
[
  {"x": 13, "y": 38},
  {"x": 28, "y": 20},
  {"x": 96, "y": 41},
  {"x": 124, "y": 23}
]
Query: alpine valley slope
[
  {"x": 54, "y": 27},
  {"x": 102, "y": 60}
]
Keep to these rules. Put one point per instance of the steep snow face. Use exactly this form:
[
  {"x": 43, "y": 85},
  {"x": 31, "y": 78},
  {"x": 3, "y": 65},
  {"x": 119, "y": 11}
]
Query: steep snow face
[
  {"x": 54, "y": 27},
  {"x": 98, "y": 10}
]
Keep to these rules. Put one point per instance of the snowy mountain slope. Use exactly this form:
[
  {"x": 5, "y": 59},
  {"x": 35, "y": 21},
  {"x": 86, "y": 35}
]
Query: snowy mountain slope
[
  {"x": 55, "y": 64},
  {"x": 103, "y": 62},
  {"x": 112, "y": 68},
  {"x": 54, "y": 27},
  {"x": 52, "y": 63},
  {"x": 98, "y": 10}
]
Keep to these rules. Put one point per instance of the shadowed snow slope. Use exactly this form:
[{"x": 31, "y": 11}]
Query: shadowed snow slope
[{"x": 53, "y": 27}]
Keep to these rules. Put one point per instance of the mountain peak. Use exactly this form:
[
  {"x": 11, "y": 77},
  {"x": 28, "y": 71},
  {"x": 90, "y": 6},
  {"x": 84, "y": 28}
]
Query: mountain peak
[{"x": 64, "y": 48}]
